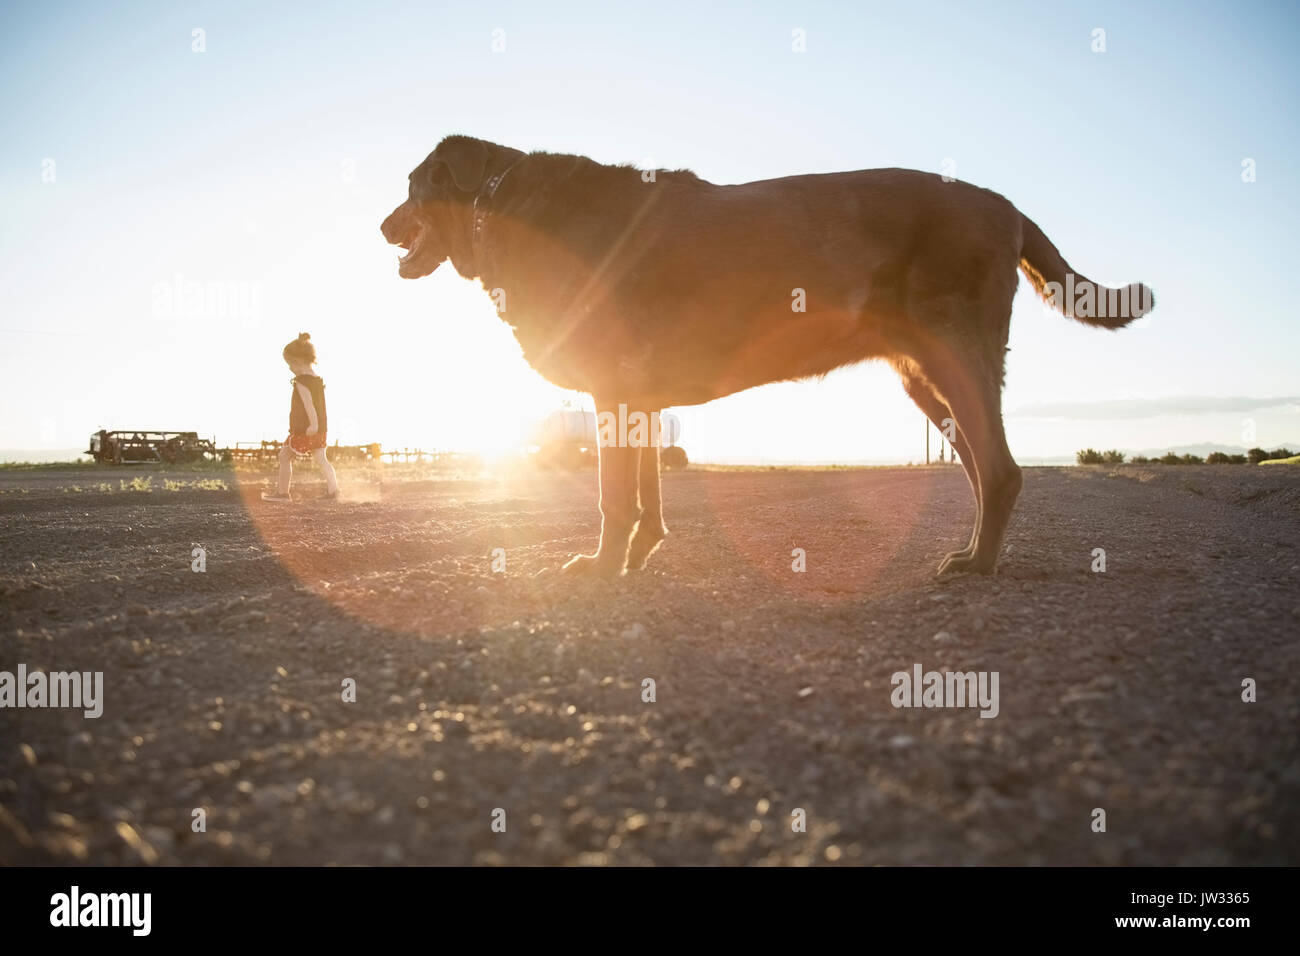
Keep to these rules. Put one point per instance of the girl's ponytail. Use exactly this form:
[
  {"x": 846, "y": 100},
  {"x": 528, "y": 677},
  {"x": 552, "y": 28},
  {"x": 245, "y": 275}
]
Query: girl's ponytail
[{"x": 301, "y": 349}]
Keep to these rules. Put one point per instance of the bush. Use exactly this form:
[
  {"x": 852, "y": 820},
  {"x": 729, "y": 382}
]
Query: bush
[
  {"x": 1113, "y": 457},
  {"x": 1222, "y": 458},
  {"x": 1169, "y": 458},
  {"x": 1089, "y": 457},
  {"x": 1192, "y": 460},
  {"x": 1256, "y": 455},
  {"x": 673, "y": 457},
  {"x": 1141, "y": 460}
]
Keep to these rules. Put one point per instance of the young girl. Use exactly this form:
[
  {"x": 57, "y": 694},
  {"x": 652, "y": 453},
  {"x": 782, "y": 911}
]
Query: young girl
[{"x": 307, "y": 421}]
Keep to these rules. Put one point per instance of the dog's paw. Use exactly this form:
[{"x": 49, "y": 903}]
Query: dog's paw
[
  {"x": 592, "y": 566},
  {"x": 966, "y": 562},
  {"x": 644, "y": 544}
]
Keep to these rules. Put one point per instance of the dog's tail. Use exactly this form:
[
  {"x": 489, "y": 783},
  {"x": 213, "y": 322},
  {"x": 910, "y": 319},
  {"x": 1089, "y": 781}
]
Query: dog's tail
[{"x": 1073, "y": 295}]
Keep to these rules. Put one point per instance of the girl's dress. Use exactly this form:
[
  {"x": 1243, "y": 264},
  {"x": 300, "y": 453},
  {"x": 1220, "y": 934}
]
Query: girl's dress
[{"x": 299, "y": 441}]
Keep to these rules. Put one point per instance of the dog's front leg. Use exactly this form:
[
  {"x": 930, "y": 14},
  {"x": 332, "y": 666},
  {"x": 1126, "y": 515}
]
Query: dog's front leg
[
  {"x": 619, "y": 511},
  {"x": 650, "y": 532}
]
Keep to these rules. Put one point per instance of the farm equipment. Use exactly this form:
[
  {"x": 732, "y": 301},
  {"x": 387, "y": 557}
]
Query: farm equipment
[
  {"x": 270, "y": 450},
  {"x": 567, "y": 439},
  {"x": 246, "y": 451},
  {"x": 158, "y": 447},
  {"x": 134, "y": 447},
  {"x": 153, "y": 447}
]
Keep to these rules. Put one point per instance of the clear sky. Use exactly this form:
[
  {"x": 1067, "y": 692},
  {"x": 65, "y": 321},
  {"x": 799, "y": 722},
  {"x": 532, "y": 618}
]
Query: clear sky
[{"x": 258, "y": 171}]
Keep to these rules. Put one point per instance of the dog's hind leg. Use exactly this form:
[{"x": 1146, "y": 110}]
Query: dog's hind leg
[
  {"x": 968, "y": 379},
  {"x": 651, "y": 530},
  {"x": 935, "y": 409},
  {"x": 619, "y": 510}
]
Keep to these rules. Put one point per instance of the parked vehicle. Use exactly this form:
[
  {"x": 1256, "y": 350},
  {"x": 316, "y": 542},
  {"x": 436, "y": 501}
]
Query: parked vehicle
[{"x": 567, "y": 439}]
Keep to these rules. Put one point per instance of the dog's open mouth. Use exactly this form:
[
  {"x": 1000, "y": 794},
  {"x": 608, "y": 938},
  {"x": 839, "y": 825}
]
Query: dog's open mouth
[
  {"x": 405, "y": 229},
  {"x": 408, "y": 259},
  {"x": 410, "y": 245}
]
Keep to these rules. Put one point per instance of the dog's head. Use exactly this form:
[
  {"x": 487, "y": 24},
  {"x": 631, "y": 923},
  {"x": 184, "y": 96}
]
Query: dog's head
[{"x": 436, "y": 221}]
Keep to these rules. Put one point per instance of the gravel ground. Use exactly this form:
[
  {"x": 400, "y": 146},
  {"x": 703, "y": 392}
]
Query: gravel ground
[{"x": 521, "y": 690}]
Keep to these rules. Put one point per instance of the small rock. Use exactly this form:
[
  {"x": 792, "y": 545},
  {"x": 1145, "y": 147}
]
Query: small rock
[
  {"x": 160, "y": 837},
  {"x": 131, "y": 837},
  {"x": 187, "y": 790}
]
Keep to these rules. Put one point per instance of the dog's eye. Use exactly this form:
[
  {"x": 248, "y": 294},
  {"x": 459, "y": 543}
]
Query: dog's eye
[{"x": 426, "y": 179}]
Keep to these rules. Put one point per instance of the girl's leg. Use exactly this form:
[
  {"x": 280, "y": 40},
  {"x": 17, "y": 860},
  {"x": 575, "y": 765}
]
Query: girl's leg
[
  {"x": 286, "y": 469},
  {"x": 323, "y": 463}
]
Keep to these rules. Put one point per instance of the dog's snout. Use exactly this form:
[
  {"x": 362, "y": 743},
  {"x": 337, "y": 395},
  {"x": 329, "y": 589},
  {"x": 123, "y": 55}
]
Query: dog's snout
[
  {"x": 399, "y": 225},
  {"x": 389, "y": 227}
]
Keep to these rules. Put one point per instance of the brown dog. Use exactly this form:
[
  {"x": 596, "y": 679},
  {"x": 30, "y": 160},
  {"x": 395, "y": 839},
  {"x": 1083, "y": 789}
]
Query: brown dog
[{"x": 651, "y": 289}]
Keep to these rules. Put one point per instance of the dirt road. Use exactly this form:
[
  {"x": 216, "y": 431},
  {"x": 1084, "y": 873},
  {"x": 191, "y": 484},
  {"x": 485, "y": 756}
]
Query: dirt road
[{"x": 521, "y": 691}]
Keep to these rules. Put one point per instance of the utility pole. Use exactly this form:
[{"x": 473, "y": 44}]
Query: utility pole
[{"x": 927, "y": 441}]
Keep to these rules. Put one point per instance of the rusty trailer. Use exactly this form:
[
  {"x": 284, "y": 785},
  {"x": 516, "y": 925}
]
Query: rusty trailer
[{"x": 150, "y": 446}]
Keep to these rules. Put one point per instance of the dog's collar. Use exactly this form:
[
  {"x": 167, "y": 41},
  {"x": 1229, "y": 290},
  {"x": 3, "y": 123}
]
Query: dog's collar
[{"x": 483, "y": 201}]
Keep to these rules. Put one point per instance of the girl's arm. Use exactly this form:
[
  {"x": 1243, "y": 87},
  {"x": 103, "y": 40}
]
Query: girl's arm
[{"x": 305, "y": 394}]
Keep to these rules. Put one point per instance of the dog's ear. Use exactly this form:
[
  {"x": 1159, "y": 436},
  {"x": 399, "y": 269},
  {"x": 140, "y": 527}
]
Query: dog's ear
[{"x": 466, "y": 159}]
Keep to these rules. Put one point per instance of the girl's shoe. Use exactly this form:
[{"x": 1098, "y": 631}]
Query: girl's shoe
[{"x": 275, "y": 496}]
